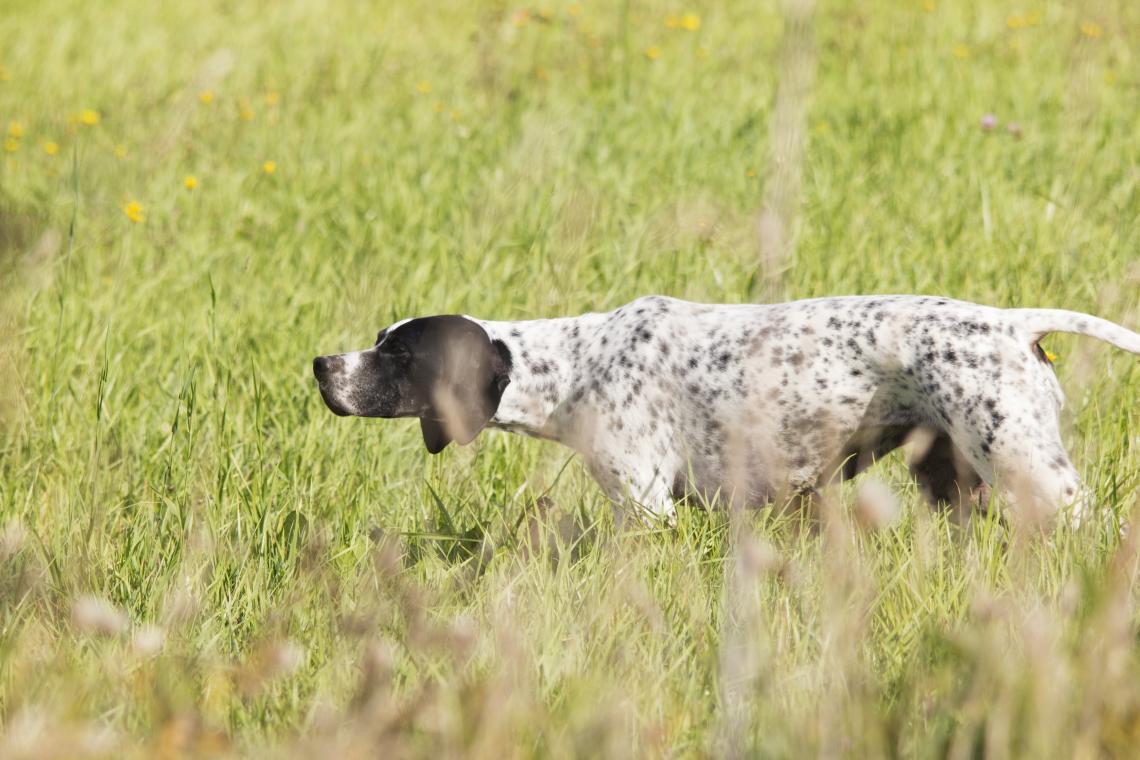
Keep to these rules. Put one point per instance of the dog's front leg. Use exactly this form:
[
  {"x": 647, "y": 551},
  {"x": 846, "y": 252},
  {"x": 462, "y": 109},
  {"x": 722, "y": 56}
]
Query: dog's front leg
[{"x": 641, "y": 490}]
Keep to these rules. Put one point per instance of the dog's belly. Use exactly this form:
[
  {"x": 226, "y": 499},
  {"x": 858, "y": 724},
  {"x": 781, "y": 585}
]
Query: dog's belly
[
  {"x": 714, "y": 486},
  {"x": 776, "y": 441}
]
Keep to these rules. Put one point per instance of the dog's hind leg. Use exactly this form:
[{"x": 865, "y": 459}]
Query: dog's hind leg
[
  {"x": 1023, "y": 455},
  {"x": 944, "y": 475}
]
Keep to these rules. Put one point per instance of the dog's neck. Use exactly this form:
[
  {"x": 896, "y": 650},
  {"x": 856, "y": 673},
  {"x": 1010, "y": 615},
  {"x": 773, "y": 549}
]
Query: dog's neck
[{"x": 546, "y": 357}]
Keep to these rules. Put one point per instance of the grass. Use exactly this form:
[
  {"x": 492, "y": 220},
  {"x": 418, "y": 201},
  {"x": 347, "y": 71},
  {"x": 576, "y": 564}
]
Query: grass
[{"x": 198, "y": 557}]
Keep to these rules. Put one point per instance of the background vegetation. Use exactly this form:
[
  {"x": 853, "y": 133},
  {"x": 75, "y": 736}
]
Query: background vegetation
[{"x": 196, "y": 198}]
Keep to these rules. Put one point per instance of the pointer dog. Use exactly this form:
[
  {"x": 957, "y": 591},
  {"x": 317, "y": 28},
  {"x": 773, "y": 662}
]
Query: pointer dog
[{"x": 663, "y": 397}]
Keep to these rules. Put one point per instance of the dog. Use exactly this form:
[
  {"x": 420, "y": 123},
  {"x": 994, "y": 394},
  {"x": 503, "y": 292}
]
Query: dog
[{"x": 665, "y": 398}]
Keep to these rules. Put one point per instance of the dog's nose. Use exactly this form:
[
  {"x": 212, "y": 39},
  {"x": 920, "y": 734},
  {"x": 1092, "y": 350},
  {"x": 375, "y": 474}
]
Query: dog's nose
[{"x": 323, "y": 365}]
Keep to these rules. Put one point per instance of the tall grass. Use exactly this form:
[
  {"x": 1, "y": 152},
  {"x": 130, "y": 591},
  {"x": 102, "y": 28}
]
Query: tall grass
[{"x": 196, "y": 557}]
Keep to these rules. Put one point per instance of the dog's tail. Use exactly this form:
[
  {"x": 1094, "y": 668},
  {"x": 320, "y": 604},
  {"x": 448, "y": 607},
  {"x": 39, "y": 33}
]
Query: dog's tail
[{"x": 1040, "y": 322}]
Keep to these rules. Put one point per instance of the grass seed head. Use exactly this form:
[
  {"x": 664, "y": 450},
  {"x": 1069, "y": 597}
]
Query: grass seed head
[{"x": 98, "y": 617}]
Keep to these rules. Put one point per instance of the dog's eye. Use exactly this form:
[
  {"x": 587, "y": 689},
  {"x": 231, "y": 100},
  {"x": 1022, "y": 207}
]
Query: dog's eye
[{"x": 396, "y": 350}]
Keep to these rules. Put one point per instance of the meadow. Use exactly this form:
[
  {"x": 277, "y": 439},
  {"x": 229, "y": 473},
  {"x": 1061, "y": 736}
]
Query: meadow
[{"x": 197, "y": 558}]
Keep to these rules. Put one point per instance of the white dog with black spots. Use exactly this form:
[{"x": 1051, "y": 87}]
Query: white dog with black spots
[{"x": 664, "y": 398}]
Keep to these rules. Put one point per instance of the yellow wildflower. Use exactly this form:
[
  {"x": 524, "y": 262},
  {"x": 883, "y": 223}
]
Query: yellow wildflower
[
  {"x": 134, "y": 211},
  {"x": 574, "y": 10},
  {"x": 50, "y": 147},
  {"x": 1033, "y": 18},
  {"x": 1091, "y": 29},
  {"x": 653, "y": 52},
  {"x": 11, "y": 145},
  {"x": 206, "y": 96},
  {"x": 245, "y": 111},
  {"x": 961, "y": 52},
  {"x": 269, "y": 167},
  {"x": 4, "y": 75},
  {"x": 15, "y": 129},
  {"x": 690, "y": 22},
  {"x": 120, "y": 151},
  {"x": 423, "y": 87},
  {"x": 672, "y": 21},
  {"x": 928, "y": 6},
  {"x": 190, "y": 182},
  {"x": 1016, "y": 22},
  {"x": 271, "y": 98},
  {"x": 89, "y": 116},
  {"x": 438, "y": 106}
]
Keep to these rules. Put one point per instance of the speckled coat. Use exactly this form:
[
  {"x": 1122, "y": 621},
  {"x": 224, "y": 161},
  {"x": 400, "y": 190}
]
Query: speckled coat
[{"x": 664, "y": 397}]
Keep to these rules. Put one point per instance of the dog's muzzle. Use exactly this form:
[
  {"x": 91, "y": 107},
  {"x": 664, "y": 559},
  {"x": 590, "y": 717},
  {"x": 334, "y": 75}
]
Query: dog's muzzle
[{"x": 328, "y": 370}]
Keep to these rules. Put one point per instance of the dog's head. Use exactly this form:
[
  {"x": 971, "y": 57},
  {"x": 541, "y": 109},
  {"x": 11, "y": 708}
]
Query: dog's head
[{"x": 444, "y": 370}]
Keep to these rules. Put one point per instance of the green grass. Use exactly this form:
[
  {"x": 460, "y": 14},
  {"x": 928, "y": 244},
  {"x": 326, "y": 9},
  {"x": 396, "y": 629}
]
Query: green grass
[{"x": 323, "y": 583}]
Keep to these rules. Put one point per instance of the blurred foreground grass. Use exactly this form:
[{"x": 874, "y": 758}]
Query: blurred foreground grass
[{"x": 195, "y": 199}]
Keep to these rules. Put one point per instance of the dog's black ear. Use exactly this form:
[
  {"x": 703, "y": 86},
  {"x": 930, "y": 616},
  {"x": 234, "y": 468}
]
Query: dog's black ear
[
  {"x": 465, "y": 383},
  {"x": 434, "y": 438}
]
